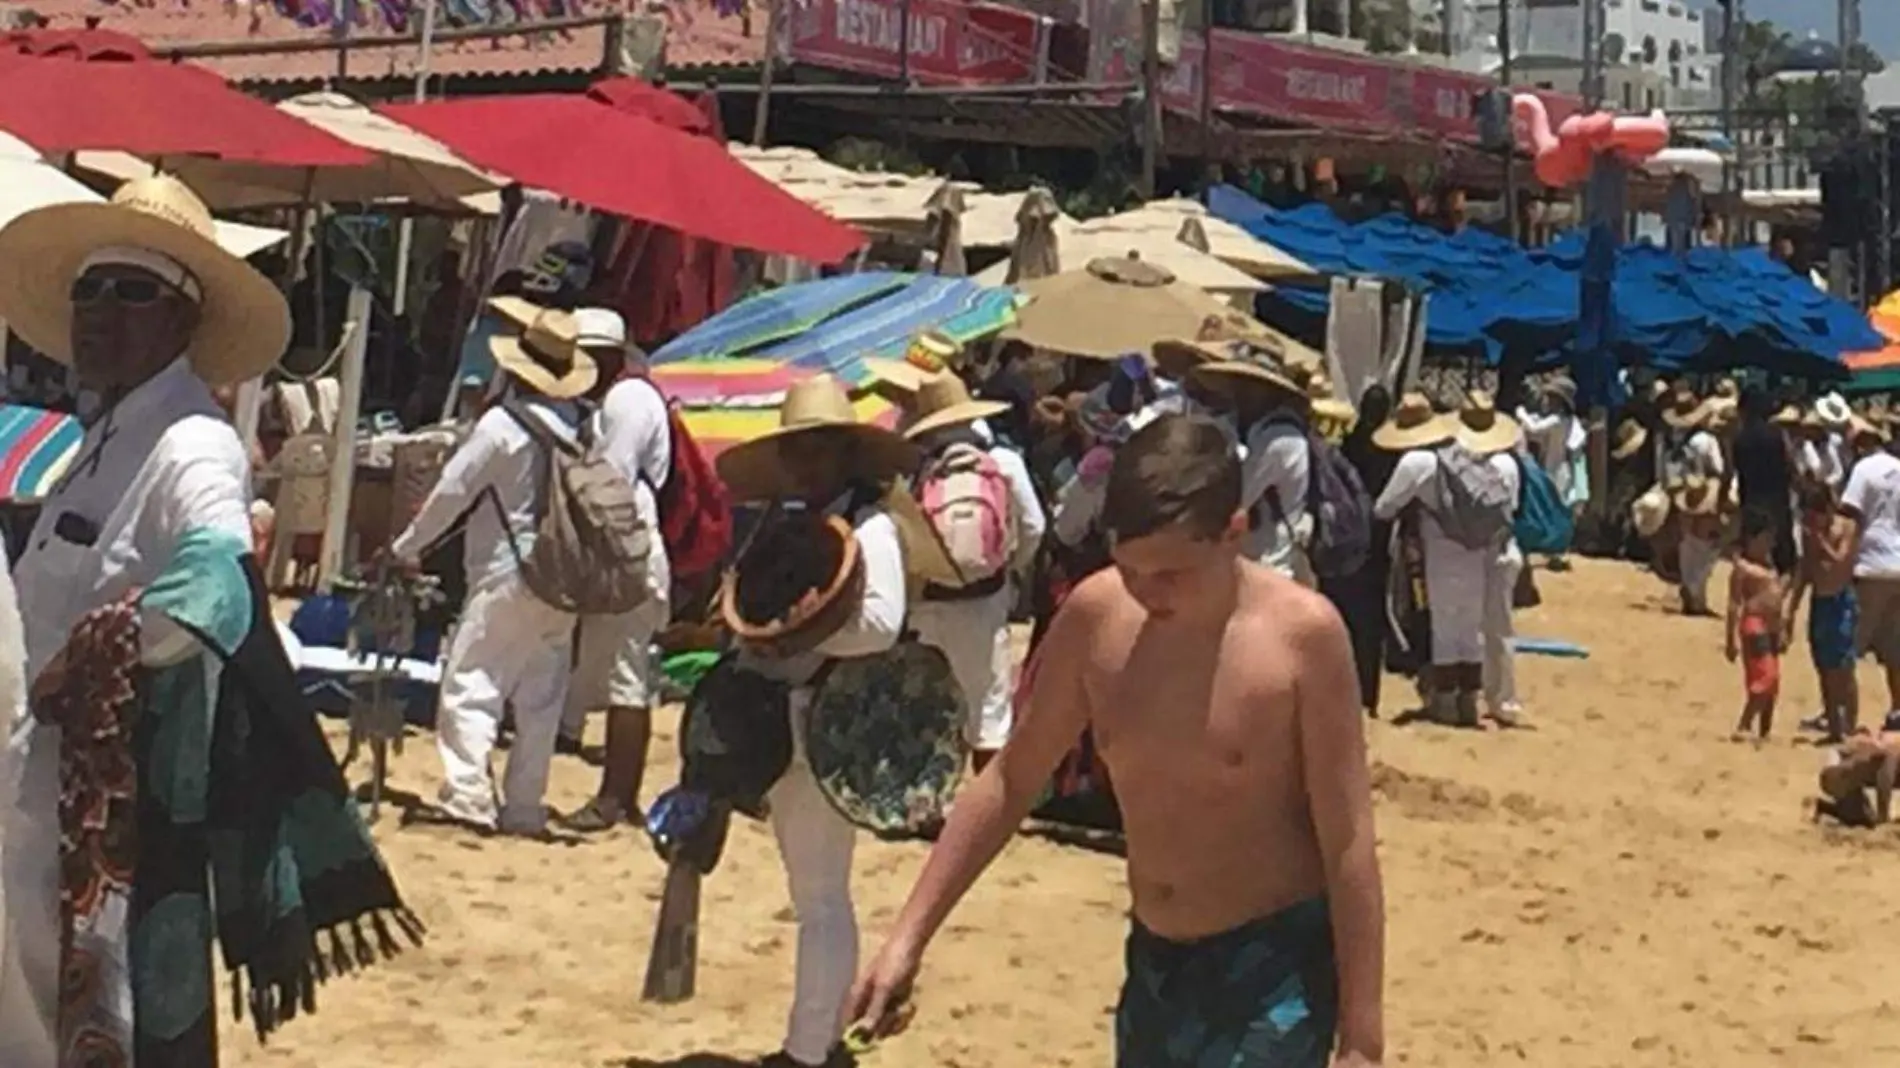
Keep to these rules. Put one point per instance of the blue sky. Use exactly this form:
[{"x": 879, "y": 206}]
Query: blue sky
[{"x": 1879, "y": 20}]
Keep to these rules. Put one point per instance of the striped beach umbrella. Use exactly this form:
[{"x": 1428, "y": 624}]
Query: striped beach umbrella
[
  {"x": 36, "y": 447},
  {"x": 775, "y": 315},
  {"x": 1879, "y": 370},
  {"x": 719, "y": 429}
]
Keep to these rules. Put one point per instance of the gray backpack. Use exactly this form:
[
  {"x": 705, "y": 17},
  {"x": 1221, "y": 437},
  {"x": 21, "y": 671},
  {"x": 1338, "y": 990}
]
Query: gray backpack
[
  {"x": 590, "y": 545},
  {"x": 1476, "y": 501}
]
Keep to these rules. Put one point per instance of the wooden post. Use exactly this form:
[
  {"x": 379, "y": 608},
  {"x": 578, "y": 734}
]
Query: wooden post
[
  {"x": 1151, "y": 94},
  {"x": 762, "y": 108},
  {"x": 1207, "y": 90},
  {"x": 336, "y": 520}
]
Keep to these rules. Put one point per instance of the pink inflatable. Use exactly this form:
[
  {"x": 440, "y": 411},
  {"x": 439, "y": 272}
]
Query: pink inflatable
[{"x": 1564, "y": 156}]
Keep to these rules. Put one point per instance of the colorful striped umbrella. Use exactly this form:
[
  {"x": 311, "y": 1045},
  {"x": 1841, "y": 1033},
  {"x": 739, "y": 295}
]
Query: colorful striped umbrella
[
  {"x": 742, "y": 382},
  {"x": 777, "y": 314},
  {"x": 36, "y": 446},
  {"x": 1878, "y": 370},
  {"x": 719, "y": 429},
  {"x": 959, "y": 307}
]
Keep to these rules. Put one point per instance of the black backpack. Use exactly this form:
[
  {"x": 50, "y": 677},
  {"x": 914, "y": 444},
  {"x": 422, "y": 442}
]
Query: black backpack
[{"x": 1341, "y": 509}]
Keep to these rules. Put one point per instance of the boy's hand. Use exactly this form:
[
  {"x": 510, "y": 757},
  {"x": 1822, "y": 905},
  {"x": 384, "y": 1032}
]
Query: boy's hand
[{"x": 1733, "y": 651}]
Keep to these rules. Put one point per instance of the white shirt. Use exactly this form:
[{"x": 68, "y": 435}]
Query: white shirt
[
  {"x": 1824, "y": 461},
  {"x": 498, "y": 455},
  {"x": 162, "y": 461},
  {"x": 1554, "y": 439},
  {"x": 1873, "y": 494},
  {"x": 1277, "y": 460},
  {"x": 636, "y": 436},
  {"x": 1699, "y": 454},
  {"x": 1415, "y": 479}
]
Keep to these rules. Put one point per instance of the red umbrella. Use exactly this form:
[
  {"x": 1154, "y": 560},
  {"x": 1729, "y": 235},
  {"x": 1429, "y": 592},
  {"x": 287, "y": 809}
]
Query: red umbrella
[
  {"x": 626, "y": 165},
  {"x": 155, "y": 109},
  {"x": 635, "y": 96},
  {"x": 88, "y": 44}
]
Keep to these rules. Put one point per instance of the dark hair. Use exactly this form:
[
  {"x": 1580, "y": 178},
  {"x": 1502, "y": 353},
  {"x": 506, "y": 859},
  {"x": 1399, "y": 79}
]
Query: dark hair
[
  {"x": 1177, "y": 469},
  {"x": 1756, "y": 522},
  {"x": 1817, "y": 496}
]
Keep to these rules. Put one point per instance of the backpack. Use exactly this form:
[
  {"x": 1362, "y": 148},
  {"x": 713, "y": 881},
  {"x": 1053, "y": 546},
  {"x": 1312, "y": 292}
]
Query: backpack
[
  {"x": 1475, "y": 499},
  {"x": 1544, "y": 523},
  {"x": 590, "y": 546},
  {"x": 966, "y": 497},
  {"x": 1340, "y": 507},
  {"x": 695, "y": 512}
]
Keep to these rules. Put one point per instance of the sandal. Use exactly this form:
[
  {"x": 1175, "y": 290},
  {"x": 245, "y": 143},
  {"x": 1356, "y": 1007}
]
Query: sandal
[{"x": 597, "y": 816}]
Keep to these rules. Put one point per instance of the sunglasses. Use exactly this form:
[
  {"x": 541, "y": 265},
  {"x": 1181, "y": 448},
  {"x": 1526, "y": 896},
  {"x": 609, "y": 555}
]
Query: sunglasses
[{"x": 131, "y": 292}]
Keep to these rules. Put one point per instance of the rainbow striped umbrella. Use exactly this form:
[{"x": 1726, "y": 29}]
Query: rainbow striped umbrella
[
  {"x": 36, "y": 446},
  {"x": 1879, "y": 370},
  {"x": 740, "y": 382},
  {"x": 719, "y": 429}
]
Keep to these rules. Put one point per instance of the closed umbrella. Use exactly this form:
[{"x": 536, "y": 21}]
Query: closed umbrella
[
  {"x": 944, "y": 220},
  {"x": 1116, "y": 306},
  {"x": 1034, "y": 254},
  {"x": 627, "y": 165},
  {"x": 156, "y": 110}
]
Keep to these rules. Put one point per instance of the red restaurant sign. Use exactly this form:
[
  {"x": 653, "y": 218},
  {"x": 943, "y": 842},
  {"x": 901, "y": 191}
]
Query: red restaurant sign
[{"x": 951, "y": 42}]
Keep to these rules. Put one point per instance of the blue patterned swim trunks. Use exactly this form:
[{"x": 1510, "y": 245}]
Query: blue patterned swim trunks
[
  {"x": 1832, "y": 624},
  {"x": 1263, "y": 995}
]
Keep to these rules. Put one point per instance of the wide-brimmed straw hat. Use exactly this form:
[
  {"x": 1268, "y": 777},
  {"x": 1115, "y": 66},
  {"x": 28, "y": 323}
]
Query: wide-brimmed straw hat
[
  {"x": 929, "y": 353},
  {"x": 1563, "y": 388},
  {"x": 944, "y": 401},
  {"x": 1413, "y": 425},
  {"x": 1859, "y": 428},
  {"x": 1483, "y": 429},
  {"x": 1697, "y": 496},
  {"x": 1833, "y": 411},
  {"x": 1649, "y": 512},
  {"x": 1326, "y": 404},
  {"x": 1248, "y": 373},
  {"x": 1788, "y": 416},
  {"x": 754, "y": 470},
  {"x": 1631, "y": 436},
  {"x": 243, "y": 321},
  {"x": 546, "y": 356},
  {"x": 1684, "y": 410}
]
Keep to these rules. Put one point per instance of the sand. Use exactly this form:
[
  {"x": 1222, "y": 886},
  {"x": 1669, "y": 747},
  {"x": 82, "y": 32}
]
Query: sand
[{"x": 1621, "y": 887}]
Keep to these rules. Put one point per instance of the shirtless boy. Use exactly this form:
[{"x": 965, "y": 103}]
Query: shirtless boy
[
  {"x": 1864, "y": 763},
  {"x": 1827, "y": 567},
  {"x": 1224, "y": 702},
  {"x": 1754, "y": 622}
]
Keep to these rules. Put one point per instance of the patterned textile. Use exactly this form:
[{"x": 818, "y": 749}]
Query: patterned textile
[
  {"x": 1263, "y": 995},
  {"x": 884, "y": 737},
  {"x": 204, "y": 784}
]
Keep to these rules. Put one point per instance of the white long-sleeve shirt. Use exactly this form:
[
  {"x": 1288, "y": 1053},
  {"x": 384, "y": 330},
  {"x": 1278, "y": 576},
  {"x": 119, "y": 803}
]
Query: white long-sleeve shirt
[
  {"x": 636, "y": 437},
  {"x": 1555, "y": 438},
  {"x": 1277, "y": 462},
  {"x": 498, "y": 455},
  {"x": 1031, "y": 523},
  {"x": 1415, "y": 480}
]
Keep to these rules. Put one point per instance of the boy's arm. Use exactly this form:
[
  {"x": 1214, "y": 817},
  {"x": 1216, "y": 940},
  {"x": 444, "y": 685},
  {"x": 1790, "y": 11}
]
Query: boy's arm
[
  {"x": 1737, "y": 593},
  {"x": 1339, "y": 794},
  {"x": 1797, "y": 587},
  {"x": 1883, "y": 787}
]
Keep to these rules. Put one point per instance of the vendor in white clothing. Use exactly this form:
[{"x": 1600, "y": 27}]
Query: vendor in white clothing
[
  {"x": 1559, "y": 439},
  {"x": 510, "y": 649},
  {"x": 1270, "y": 409},
  {"x": 823, "y": 457},
  {"x": 140, "y": 300},
  {"x": 970, "y": 622},
  {"x": 1690, "y": 454},
  {"x": 1460, "y": 475},
  {"x": 613, "y": 668}
]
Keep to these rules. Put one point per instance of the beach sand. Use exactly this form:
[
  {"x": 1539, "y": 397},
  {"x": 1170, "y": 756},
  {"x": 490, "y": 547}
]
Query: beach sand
[{"x": 1621, "y": 887}]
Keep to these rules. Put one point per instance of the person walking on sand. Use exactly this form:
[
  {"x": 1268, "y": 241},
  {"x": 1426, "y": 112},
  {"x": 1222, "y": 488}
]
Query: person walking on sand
[
  {"x": 1754, "y": 623},
  {"x": 1873, "y": 500},
  {"x": 1225, "y": 702},
  {"x": 1827, "y": 568}
]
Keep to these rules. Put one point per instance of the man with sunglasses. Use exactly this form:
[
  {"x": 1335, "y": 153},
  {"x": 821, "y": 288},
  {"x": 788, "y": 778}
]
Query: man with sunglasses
[{"x": 159, "y": 704}]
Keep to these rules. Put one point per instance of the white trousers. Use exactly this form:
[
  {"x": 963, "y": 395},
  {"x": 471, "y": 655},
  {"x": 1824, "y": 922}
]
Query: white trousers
[
  {"x": 1696, "y": 558},
  {"x": 1500, "y": 669},
  {"x": 969, "y": 634},
  {"x": 612, "y": 664},
  {"x": 29, "y": 900},
  {"x": 510, "y": 652},
  {"x": 1455, "y": 582},
  {"x": 815, "y": 844}
]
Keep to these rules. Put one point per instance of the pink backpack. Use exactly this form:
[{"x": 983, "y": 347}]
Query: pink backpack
[{"x": 967, "y": 498}]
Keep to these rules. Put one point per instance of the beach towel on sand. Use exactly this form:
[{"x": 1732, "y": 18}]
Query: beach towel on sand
[{"x": 1263, "y": 995}]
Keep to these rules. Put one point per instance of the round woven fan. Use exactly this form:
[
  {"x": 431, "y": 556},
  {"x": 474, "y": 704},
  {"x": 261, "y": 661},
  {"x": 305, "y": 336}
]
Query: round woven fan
[
  {"x": 884, "y": 738},
  {"x": 799, "y": 580}
]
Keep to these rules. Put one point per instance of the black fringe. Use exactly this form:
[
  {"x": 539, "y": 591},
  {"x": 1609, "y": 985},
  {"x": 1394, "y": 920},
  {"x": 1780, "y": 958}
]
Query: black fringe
[{"x": 335, "y": 951}]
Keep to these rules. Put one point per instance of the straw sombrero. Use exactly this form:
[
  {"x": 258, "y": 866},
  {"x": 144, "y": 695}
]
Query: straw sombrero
[
  {"x": 243, "y": 321},
  {"x": 800, "y": 579},
  {"x": 1413, "y": 425},
  {"x": 546, "y": 356},
  {"x": 753, "y": 470},
  {"x": 1649, "y": 512},
  {"x": 1697, "y": 496},
  {"x": 1251, "y": 372},
  {"x": 1563, "y": 388},
  {"x": 1859, "y": 428},
  {"x": 1788, "y": 416},
  {"x": 1630, "y": 439},
  {"x": 945, "y": 401},
  {"x": 1325, "y": 403},
  {"x": 1482, "y": 429},
  {"x": 1833, "y": 411},
  {"x": 1177, "y": 357},
  {"x": 929, "y": 353},
  {"x": 1685, "y": 410}
]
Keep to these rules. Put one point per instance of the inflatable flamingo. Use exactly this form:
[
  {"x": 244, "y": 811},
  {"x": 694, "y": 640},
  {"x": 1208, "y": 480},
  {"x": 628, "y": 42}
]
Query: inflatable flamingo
[{"x": 1564, "y": 156}]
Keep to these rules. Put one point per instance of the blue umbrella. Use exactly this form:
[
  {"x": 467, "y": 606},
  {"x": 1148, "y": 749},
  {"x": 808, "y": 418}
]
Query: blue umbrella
[{"x": 777, "y": 314}]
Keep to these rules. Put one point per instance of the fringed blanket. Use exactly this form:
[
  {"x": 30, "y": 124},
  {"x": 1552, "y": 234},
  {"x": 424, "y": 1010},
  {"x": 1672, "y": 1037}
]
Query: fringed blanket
[{"x": 202, "y": 784}]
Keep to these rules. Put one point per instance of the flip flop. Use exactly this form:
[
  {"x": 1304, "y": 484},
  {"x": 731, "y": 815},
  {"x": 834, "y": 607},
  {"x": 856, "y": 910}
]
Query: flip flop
[{"x": 598, "y": 816}]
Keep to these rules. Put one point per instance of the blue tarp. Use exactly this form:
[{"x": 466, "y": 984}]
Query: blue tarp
[{"x": 1707, "y": 309}]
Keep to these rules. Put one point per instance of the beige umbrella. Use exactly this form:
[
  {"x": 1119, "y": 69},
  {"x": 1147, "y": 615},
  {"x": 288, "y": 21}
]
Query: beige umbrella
[
  {"x": 1034, "y": 254},
  {"x": 1078, "y": 247},
  {"x": 1225, "y": 241},
  {"x": 944, "y": 221},
  {"x": 409, "y": 167},
  {"x": 1194, "y": 235},
  {"x": 1115, "y": 306}
]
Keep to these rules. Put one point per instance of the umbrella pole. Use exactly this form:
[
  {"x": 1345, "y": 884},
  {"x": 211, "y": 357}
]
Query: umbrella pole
[
  {"x": 762, "y": 107},
  {"x": 336, "y": 519},
  {"x": 406, "y": 231}
]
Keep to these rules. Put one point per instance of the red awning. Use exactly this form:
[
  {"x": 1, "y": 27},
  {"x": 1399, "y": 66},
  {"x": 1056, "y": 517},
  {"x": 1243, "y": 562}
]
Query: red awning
[
  {"x": 87, "y": 44},
  {"x": 154, "y": 110},
  {"x": 627, "y": 165}
]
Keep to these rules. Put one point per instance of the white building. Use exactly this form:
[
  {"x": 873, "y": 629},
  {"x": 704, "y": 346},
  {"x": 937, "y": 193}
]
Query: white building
[{"x": 1654, "y": 51}]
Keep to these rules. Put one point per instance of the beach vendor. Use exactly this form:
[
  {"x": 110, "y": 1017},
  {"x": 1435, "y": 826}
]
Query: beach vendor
[
  {"x": 1632, "y": 473},
  {"x": 1224, "y": 699},
  {"x": 1464, "y": 501},
  {"x": 165, "y": 732},
  {"x": 613, "y": 668},
  {"x": 1559, "y": 439},
  {"x": 1823, "y": 454},
  {"x": 1486, "y": 434},
  {"x": 979, "y": 499},
  {"x": 1872, "y": 499},
  {"x": 1271, "y": 410},
  {"x": 1690, "y": 451},
  {"x": 511, "y": 647},
  {"x": 820, "y": 457}
]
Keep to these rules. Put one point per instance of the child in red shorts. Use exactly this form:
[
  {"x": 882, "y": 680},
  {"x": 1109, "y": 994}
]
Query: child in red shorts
[{"x": 1754, "y": 622}]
